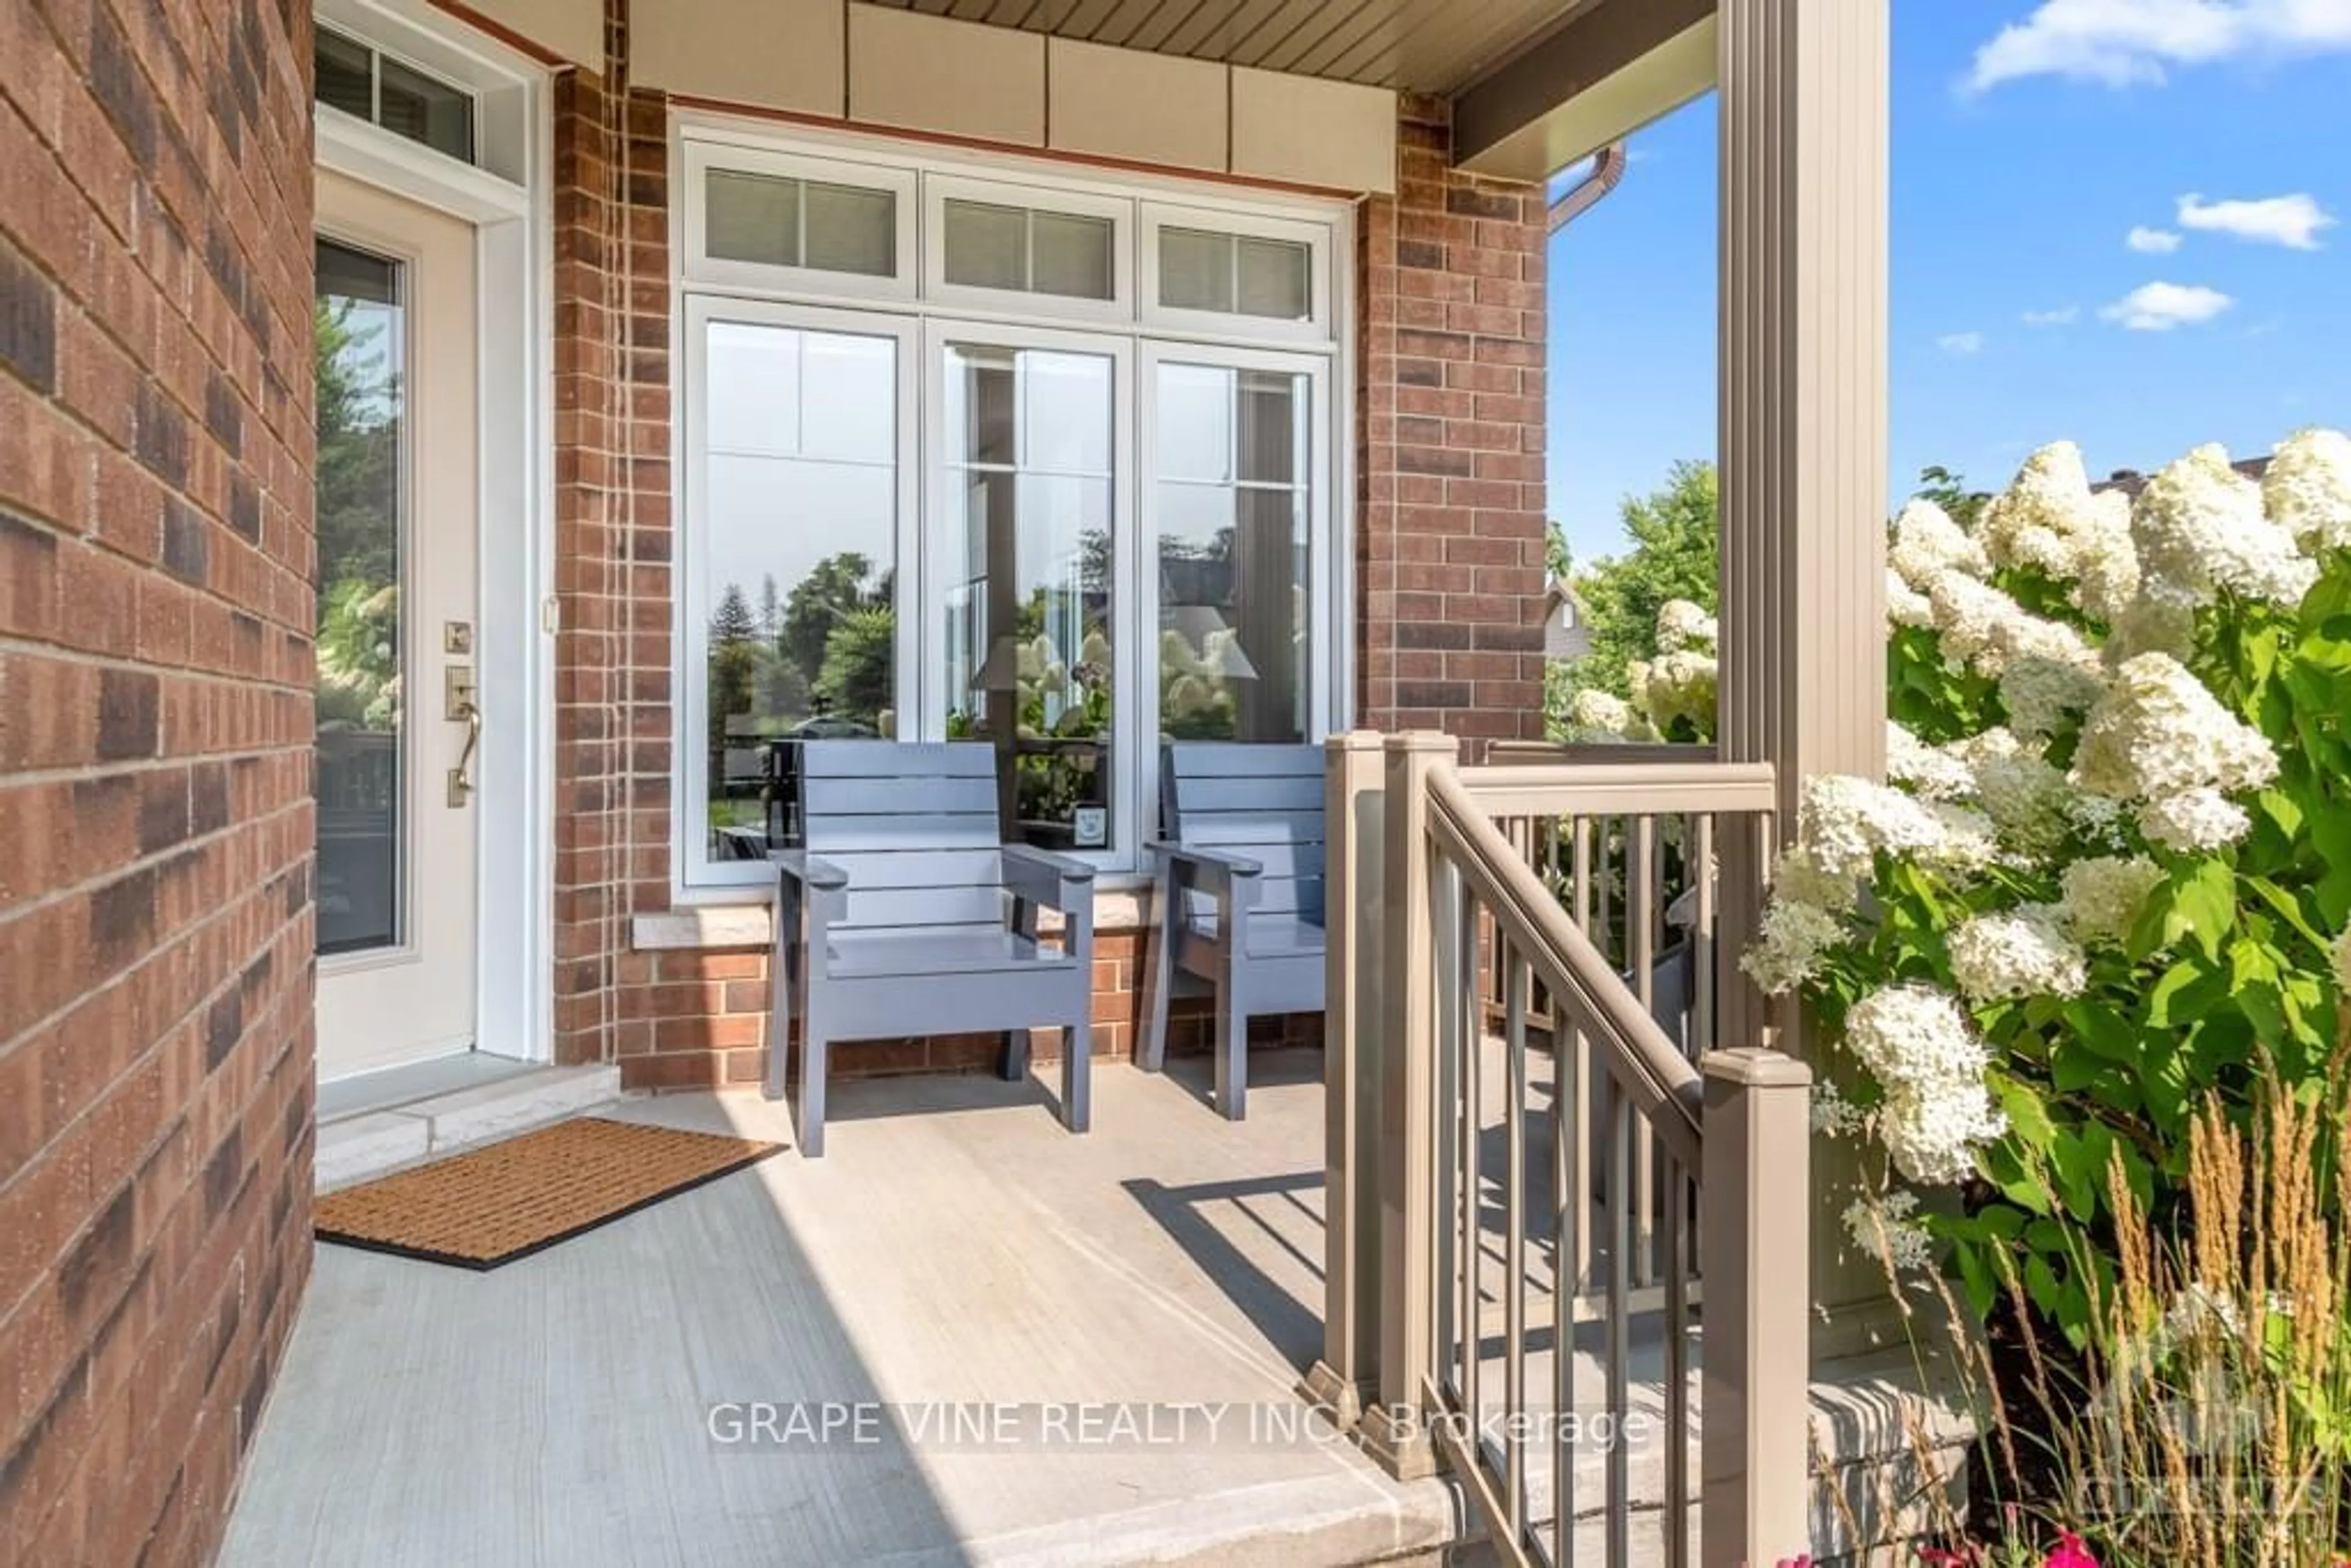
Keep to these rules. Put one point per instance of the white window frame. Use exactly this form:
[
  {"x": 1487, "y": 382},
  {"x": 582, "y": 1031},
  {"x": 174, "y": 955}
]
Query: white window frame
[
  {"x": 1322, "y": 475},
  {"x": 801, "y": 282},
  {"x": 690, "y": 826},
  {"x": 1076, "y": 202},
  {"x": 1231, "y": 324},
  {"x": 919, "y": 302},
  {"x": 1121, "y": 852}
]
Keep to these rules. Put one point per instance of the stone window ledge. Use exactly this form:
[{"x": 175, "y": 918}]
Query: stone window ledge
[{"x": 701, "y": 925}]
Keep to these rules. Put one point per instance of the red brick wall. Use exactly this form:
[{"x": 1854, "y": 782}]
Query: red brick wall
[
  {"x": 1449, "y": 432},
  {"x": 155, "y": 726}
]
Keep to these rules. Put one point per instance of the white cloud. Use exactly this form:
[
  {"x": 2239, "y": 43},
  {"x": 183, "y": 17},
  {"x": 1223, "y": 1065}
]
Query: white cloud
[
  {"x": 2122, "y": 43},
  {"x": 2291, "y": 221},
  {"x": 2155, "y": 242},
  {"x": 1960, "y": 343},
  {"x": 2062, "y": 315},
  {"x": 2160, "y": 306}
]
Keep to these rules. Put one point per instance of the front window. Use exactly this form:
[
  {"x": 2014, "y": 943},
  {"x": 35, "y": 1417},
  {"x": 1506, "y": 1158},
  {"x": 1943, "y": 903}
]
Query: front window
[
  {"x": 796, "y": 571},
  {"x": 978, "y": 460},
  {"x": 1233, "y": 511},
  {"x": 1028, "y": 627}
]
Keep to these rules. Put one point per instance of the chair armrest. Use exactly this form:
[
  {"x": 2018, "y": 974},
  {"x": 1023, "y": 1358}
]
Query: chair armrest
[
  {"x": 821, "y": 875},
  {"x": 1041, "y": 876},
  {"x": 1221, "y": 861}
]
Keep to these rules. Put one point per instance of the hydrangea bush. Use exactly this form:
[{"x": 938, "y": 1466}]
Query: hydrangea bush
[{"x": 2110, "y": 873}]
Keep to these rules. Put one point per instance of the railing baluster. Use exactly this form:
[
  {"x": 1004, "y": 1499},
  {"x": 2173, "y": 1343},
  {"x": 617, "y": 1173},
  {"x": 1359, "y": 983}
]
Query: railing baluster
[
  {"x": 1677, "y": 1389},
  {"x": 1514, "y": 1233},
  {"x": 1643, "y": 872},
  {"x": 1620, "y": 1330},
  {"x": 1452, "y": 1331},
  {"x": 1702, "y": 979},
  {"x": 1579, "y": 1099},
  {"x": 1571, "y": 1163},
  {"x": 1462, "y": 1019}
]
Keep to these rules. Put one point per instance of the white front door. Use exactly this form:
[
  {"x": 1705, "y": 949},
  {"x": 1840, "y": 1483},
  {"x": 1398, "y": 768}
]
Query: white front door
[{"x": 398, "y": 479}]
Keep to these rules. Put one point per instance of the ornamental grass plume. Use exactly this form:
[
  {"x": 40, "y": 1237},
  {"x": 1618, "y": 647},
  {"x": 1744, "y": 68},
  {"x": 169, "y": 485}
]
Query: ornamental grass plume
[{"x": 2206, "y": 1422}]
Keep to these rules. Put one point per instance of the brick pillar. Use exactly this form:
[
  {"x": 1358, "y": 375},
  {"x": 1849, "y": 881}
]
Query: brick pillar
[
  {"x": 1449, "y": 415},
  {"x": 612, "y": 539},
  {"x": 156, "y": 817}
]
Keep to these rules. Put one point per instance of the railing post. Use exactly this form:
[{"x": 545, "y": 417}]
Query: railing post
[
  {"x": 1392, "y": 1429},
  {"x": 1754, "y": 1256},
  {"x": 1354, "y": 847}
]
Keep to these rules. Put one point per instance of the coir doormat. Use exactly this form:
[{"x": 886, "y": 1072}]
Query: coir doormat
[{"x": 491, "y": 1205}]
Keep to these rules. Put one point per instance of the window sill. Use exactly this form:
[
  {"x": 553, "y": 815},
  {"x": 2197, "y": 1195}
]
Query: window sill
[{"x": 1119, "y": 905}]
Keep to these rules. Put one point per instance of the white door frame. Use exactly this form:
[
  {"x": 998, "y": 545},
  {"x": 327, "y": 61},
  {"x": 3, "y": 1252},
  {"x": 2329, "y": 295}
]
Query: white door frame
[{"x": 514, "y": 643}]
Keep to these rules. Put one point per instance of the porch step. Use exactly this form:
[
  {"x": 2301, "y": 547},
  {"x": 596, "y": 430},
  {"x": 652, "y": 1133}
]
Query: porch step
[{"x": 371, "y": 1140}]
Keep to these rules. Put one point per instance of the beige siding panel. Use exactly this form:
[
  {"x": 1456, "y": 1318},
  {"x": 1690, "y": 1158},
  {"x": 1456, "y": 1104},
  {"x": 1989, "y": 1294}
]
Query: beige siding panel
[
  {"x": 572, "y": 28},
  {"x": 963, "y": 78},
  {"x": 1120, "y": 103},
  {"x": 1314, "y": 132},
  {"x": 775, "y": 54}
]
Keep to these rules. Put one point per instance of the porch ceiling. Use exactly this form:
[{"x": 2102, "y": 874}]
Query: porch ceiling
[{"x": 1412, "y": 46}]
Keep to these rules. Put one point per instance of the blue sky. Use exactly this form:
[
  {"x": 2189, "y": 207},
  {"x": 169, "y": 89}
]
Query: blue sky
[{"x": 2029, "y": 140}]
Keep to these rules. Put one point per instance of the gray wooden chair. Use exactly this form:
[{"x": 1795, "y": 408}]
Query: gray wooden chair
[
  {"x": 905, "y": 913},
  {"x": 1239, "y": 893}
]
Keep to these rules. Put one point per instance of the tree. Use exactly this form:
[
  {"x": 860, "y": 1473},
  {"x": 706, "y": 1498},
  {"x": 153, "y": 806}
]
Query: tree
[
  {"x": 771, "y": 610},
  {"x": 1675, "y": 554},
  {"x": 732, "y": 621},
  {"x": 834, "y": 587}
]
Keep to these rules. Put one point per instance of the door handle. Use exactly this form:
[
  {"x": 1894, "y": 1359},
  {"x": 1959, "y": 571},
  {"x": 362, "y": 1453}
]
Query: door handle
[{"x": 461, "y": 780}]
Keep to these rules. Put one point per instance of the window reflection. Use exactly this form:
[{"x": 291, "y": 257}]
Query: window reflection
[
  {"x": 799, "y": 565},
  {"x": 360, "y": 339},
  {"x": 1028, "y": 647},
  {"x": 1232, "y": 515}
]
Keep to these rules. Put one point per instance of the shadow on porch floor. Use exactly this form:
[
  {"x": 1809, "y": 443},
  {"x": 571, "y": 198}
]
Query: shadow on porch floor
[{"x": 954, "y": 1246}]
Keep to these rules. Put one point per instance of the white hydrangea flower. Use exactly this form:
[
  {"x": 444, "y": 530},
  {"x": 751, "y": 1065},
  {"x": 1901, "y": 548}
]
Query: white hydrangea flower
[
  {"x": 1888, "y": 1229},
  {"x": 2019, "y": 953},
  {"x": 2199, "y": 528},
  {"x": 2150, "y": 626},
  {"x": 2104, "y": 895},
  {"x": 1929, "y": 771},
  {"x": 1834, "y": 1115},
  {"x": 1982, "y": 626},
  {"x": 2158, "y": 732},
  {"x": 1906, "y": 606},
  {"x": 1913, "y": 1035},
  {"x": 1843, "y": 821},
  {"x": 1974, "y": 751},
  {"x": 2194, "y": 820},
  {"x": 1927, "y": 543},
  {"x": 1931, "y": 1133},
  {"x": 2048, "y": 519},
  {"x": 2041, "y": 695},
  {"x": 1680, "y": 684},
  {"x": 1787, "y": 951},
  {"x": 2028, "y": 800},
  {"x": 1798, "y": 878},
  {"x": 2307, "y": 489},
  {"x": 2339, "y": 954},
  {"x": 1683, "y": 625},
  {"x": 1603, "y": 711}
]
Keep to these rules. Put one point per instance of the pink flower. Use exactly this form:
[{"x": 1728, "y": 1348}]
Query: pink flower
[
  {"x": 2069, "y": 1552},
  {"x": 1951, "y": 1556}
]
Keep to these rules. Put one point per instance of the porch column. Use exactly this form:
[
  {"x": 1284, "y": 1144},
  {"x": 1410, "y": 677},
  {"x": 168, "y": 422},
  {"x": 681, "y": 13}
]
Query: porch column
[{"x": 1803, "y": 447}]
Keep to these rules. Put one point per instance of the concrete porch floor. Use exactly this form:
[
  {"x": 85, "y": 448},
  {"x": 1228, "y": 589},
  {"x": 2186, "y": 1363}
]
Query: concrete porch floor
[{"x": 954, "y": 1245}]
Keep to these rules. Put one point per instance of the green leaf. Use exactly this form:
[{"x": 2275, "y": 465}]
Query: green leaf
[
  {"x": 2204, "y": 906},
  {"x": 2028, "y": 1116},
  {"x": 2288, "y": 907}
]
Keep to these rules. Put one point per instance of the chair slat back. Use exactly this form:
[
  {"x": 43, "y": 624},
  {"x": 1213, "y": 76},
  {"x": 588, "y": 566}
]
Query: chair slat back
[
  {"x": 914, "y": 827},
  {"x": 1261, "y": 802}
]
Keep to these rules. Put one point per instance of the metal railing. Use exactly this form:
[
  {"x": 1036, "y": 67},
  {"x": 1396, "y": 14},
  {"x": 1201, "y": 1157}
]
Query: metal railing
[{"x": 1485, "y": 1307}]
